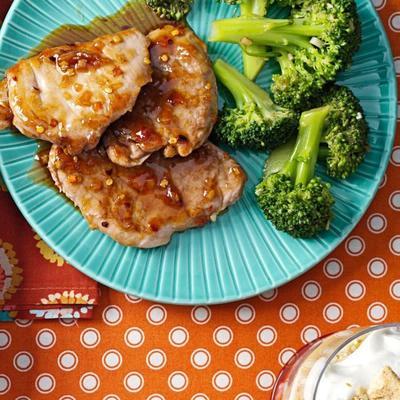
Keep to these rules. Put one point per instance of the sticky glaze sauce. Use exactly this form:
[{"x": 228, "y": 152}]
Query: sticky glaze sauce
[
  {"x": 38, "y": 173},
  {"x": 134, "y": 14},
  {"x": 75, "y": 60},
  {"x": 153, "y": 123},
  {"x": 143, "y": 198},
  {"x": 121, "y": 187}
]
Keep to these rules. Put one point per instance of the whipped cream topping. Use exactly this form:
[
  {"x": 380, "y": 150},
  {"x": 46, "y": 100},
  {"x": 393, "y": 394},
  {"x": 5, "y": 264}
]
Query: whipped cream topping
[{"x": 342, "y": 378}]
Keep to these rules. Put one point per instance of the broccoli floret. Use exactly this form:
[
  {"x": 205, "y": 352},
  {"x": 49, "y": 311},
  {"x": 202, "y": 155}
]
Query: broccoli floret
[
  {"x": 315, "y": 43},
  {"x": 345, "y": 137},
  {"x": 174, "y": 10},
  {"x": 255, "y": 121},
  {"x": 344, "y": 141},
  {"x": 292, "y": 197}
]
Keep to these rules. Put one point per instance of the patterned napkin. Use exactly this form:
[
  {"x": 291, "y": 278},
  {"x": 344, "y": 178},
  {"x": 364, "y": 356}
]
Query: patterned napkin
[{"x": 35, "y": 282}]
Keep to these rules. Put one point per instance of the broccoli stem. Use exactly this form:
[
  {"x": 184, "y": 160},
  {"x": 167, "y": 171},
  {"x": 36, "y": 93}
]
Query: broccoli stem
[
  {"x": 302, "y": 28},
  {"x": 265, "y": 31},
  {"x": 278, "y": 158},
  {"x": 301, "y": 164},
  {"x": 285, "y": 62},
  {"x": 252, "y": 65},
  {"x": 256, "y": 51},
  {"x": 243, "y": 89},
  {"x": 311, "y": 127},
  {"x": 324, "y": 152},
  {"x": 254, "y": 7},
  {"x": 234, "y": 29}
]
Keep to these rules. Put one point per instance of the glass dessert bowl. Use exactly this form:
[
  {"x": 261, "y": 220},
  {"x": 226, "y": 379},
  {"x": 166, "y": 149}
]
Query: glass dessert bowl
[{"x": 355, "y": 364}]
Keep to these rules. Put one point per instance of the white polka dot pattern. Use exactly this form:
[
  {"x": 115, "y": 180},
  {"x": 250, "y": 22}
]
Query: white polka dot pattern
[
  {"x": 309, "y": 333},
  {"x": 245, "y": 313},
  {"x": 244, "y": 358},
  {"x": 355, "y": 290},
  {"x": 89, "y": 382},
  {"x": 289, "y": 313},
  {"x": 112, "y": 315},
  {"x": 90, "y": 338},
  {"x": 178, "y": 381},
  {"x": 333, "y": 268},
  {"x": 267, "y": 335},
  {"x": 5, "y": 339},
  {"x": 46, "y": 338},
  {"x": 178, "y": 336},
  {"x": 156, "y": 315},
  {"x": 45, "y": 383},
  {"x": 394, "y": 22},
  {"x": 134, "y": 337},
  {"x": 200, "y": 358},
  {"x": 201, "y": 314},
  {"x": 67, "y": 360},
  {"x": 156, "y": 359},
  {"x": 222, "y": 381},
  {"x": 265, "y": 380},
  {"x": 133, "y": 382},
  {"x": 5, "y": 384},
  {"x": 223, "y": 336},
  {"x": 23, "y": 361},
  {"x": 333, "y": 312},
  {"x": 112, "y": 359}
]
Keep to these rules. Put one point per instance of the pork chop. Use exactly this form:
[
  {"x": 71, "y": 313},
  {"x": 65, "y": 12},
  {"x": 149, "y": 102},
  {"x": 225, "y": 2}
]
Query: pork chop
[
  {"x": 5, "y": 110},
  {"x": 70, "y": 94},
  {"x": 143, "y": 206},
  {"x": 177, "y": 110}
]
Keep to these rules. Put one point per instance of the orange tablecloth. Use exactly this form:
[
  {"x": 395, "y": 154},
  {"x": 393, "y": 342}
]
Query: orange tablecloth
[{"x": 137, "y": 349}]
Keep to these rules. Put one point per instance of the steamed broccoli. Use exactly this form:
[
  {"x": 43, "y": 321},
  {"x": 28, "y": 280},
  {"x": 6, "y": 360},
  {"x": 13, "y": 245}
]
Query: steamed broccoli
[
  {"x": 252, "y": 65},
  {"x": 171, "y": 9},
  {"x": 314, "y": 44},
  {"x": 291, "y": 197},
  {"x": 344, "y": 140},
  {"x": 255, "y": 121},
  {"x": 345, "y": 136}
]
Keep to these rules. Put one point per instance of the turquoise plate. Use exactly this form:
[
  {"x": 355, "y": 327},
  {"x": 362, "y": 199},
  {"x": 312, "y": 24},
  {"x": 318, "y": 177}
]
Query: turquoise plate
[{"x": 241, "y": 254}]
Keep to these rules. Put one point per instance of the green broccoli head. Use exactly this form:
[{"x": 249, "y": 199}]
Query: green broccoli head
[
  {"x": 255, "y": 121},
  {"x": 302, "y": 210},
  {"x": 316, "y": 42},
  {"x": 247, "y": 126},
  {"x": 345, "y": 138},
  {"x": 296, "y": 87},
  {"x": 310, "y": 68},
  {"x": 173, "y": 10},
  {"x": 290, "y": 195},
  {"x": 337, "y": 41}
]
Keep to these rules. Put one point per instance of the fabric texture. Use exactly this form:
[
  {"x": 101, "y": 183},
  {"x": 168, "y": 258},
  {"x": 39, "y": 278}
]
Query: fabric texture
[{"x": 35, "y": 282}]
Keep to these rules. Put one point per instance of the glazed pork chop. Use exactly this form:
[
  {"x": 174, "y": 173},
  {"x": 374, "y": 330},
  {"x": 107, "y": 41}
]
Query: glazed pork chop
[
  {"x": 5, "y": 110},
  {"x": 177, "y": 110},
  {"x": 70, "y": 94},
  {"x": 143, "y": 206}
]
